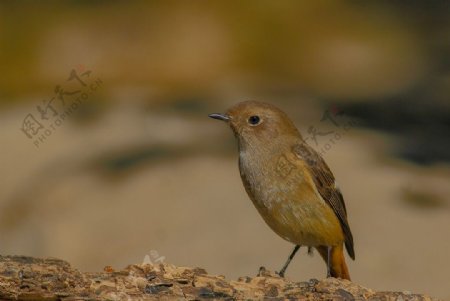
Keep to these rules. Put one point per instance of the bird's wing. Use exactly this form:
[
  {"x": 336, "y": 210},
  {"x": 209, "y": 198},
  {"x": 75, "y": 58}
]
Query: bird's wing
[{"x": 326, "y": 185}]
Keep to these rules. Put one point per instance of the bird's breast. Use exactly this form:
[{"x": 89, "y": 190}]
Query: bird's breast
[
  {"x": 271, "y": 181},
  {"x": 283, "y": 191}
]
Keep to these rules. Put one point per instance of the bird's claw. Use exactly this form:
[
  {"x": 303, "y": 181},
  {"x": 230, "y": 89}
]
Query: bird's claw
[{"x": 261, "y": 271}]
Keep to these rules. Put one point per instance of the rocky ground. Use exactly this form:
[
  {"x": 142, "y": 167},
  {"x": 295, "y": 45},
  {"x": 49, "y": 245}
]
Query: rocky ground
[{"x": 28, "y": 278}]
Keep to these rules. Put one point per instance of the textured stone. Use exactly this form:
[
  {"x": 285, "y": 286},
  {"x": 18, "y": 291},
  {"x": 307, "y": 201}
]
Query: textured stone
[{"x": 27, "y": 278}]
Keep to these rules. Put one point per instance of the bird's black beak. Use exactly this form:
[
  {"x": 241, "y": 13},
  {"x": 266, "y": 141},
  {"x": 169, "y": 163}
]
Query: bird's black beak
[{"x": 218, "y": 116}]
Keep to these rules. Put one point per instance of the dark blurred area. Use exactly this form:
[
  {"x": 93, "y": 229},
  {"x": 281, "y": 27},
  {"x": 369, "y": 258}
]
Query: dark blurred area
[
  {"x": 108, "y": 154},
  {"x": 386, "y": 61}
]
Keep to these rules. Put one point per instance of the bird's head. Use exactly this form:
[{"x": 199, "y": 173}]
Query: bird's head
[{"x": 257, "y": 122}]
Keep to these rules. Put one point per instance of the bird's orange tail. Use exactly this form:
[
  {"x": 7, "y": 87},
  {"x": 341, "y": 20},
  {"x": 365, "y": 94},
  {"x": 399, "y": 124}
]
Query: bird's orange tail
[{"x": 338, "y": 266}]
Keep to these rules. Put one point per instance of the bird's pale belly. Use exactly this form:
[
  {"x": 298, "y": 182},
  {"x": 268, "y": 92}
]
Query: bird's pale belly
[{"x": 304, "y": 222}]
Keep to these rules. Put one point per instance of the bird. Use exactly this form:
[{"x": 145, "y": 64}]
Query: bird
[{"x": 290, "y": 184}]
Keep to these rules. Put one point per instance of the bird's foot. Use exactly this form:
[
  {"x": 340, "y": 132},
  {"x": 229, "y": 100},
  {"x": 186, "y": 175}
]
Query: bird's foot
[{"x": 261, "y": 272}]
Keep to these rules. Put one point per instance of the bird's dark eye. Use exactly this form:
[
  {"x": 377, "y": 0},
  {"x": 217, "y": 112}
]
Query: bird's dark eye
[{"x": 254, "y": 120}]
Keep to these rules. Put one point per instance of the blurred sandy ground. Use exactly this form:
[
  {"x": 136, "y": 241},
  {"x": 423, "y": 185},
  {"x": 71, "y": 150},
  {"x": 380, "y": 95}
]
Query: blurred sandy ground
[{"x": 139, "y": 169}]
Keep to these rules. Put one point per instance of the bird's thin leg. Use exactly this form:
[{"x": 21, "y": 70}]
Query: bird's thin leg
[
  {"x": 283, "y": 269},
  {"x": 328, "y": 262}
]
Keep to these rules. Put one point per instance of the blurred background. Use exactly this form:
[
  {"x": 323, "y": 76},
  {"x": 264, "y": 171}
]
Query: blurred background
[{"x": 108, "y": 157}]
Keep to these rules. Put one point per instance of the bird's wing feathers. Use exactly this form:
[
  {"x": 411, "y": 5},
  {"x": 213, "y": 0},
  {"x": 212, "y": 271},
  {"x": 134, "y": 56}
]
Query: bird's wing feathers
[{"x": 326, "y": 185}]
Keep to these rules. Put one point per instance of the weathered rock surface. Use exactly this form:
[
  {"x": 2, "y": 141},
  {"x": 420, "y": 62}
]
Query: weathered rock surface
[{"x": 28, "y": 278}]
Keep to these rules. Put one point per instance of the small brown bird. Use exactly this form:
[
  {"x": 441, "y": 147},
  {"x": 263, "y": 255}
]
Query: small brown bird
[{"x": 290, "y": 184}]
